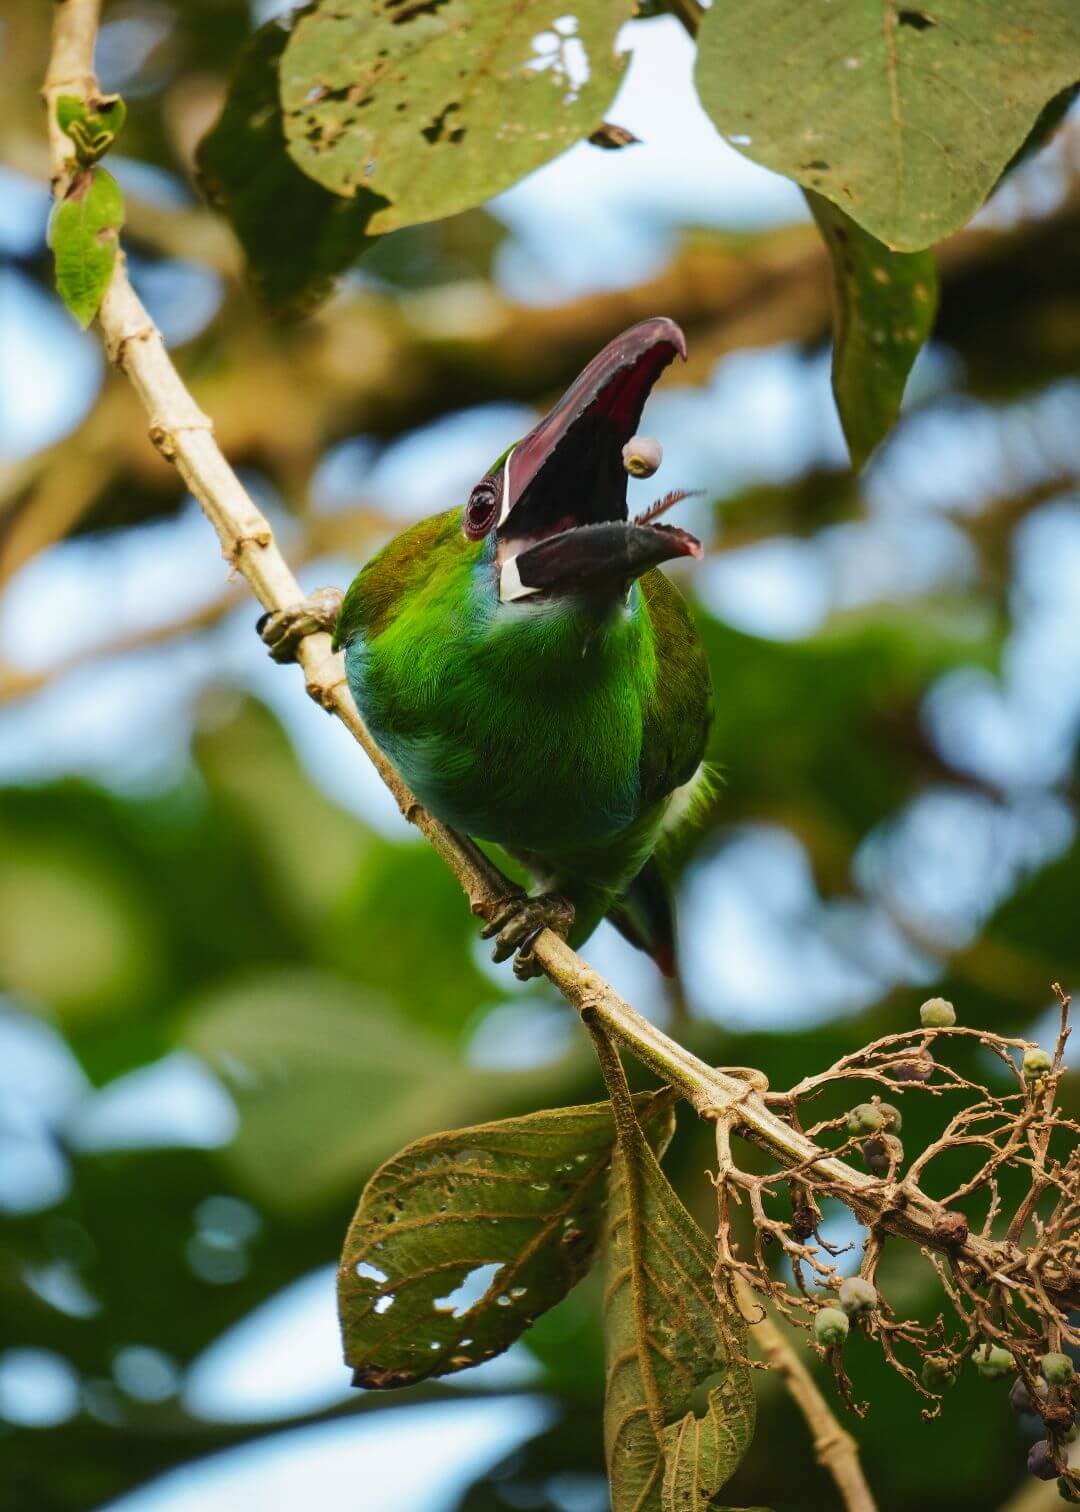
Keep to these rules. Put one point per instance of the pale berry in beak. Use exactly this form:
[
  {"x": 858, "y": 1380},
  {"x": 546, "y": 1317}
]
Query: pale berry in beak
[{"x": 642, "y": 456}]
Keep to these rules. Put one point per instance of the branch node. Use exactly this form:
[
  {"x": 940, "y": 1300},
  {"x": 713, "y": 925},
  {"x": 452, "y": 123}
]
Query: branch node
[
  {"x": 164, "y": 435},
  {"x": 951, "y": 1230},
  {"x": 324, "y": 694},
  {"x": 753, "y": 1083},
  {"x": 239, "y": 544},
  {"x": 117, "y": 339}
]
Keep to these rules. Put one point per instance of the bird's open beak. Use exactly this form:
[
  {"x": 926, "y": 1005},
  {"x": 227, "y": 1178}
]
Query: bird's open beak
[
  {"x": 563, "y": 517},
  {"x": 615, "y": 550}
]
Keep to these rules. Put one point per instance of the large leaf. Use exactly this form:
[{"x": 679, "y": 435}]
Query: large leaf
[
  {"x": 883, "y": 308},
  {"x": 84, "y": 231},
  {"x": 78, "y": 939},
  {"x": 903, "y": 116},
  {"x": 324, "y": 1075},
  {"x": 666, "y": 1334},
  {"x": 438, "y": 106},
  {"x": 297, "y": 237},
  {"x": 512, "y": 1209}
]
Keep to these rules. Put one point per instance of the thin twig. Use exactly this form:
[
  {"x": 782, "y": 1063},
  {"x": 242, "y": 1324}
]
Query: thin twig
[{"x": 834, "y": 1448}]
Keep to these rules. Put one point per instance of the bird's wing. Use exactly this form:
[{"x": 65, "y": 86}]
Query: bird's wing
[
  {"x": 678, "y": 714},
  {"x": 673, "y": 742}
]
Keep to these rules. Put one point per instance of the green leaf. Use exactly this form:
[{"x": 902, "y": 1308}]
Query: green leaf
[
  {"x": 77, "y": 936},
  {"x": 666, "y": 1334},
  {"x": 324, "y": 1076},
  {"x": 439, "y": 104},
  {"x": 297, "y": 237},
  {"x": 92, "y": 126},
  {"x": 902, "y": 116},
  {"x": 1046, "y": 124},
  {"x": 525, "y": 1195},
  {"x": 83, "y": 231},
  {"x": 883, "y": 308}
]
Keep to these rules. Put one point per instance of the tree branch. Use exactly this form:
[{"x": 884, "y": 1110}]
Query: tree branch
[{"x": 184, "y": 436}]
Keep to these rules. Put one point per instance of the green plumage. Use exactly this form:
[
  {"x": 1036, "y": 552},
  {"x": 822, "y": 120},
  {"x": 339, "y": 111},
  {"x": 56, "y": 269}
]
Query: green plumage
[{"x": 558, "y": 728}]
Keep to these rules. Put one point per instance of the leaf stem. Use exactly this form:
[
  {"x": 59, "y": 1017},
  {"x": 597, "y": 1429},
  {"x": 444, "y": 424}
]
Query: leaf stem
[{"x": 629, "y": 1140}]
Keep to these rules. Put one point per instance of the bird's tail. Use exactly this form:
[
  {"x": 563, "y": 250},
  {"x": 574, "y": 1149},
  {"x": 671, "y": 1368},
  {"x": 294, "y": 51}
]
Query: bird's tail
[{"x": 643, "y": 916}]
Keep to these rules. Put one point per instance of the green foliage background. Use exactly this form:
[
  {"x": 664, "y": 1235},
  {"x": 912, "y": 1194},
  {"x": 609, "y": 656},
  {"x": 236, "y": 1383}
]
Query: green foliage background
[{"x": 329, "y": 975}]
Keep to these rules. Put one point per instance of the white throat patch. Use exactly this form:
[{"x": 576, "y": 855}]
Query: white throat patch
[{"x": 510, "y": 585}]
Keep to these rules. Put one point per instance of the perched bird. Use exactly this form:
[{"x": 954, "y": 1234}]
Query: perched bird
[{"x": 528, "y": 670}]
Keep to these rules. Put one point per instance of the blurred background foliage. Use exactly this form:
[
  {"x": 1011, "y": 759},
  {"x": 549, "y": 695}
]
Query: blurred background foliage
[{"x": 234, "y": 982}]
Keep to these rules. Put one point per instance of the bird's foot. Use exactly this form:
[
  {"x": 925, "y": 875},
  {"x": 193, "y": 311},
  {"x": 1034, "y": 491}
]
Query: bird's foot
[
  {"x": 517, "y": 924},
  {"x": 284, "y": 629}
]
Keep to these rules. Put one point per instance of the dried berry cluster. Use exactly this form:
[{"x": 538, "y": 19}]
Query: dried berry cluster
[{"x": 1006, "y": 1236}]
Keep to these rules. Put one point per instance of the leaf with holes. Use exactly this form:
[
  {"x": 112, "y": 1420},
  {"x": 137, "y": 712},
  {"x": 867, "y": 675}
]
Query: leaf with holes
[
  {"x": 439, "y": 104},
  {"x": 904, "y": 116},
  {"x": 666, "y": 1335},
  {"x": 883, "y": 308},
  {"x": 84, "y": 229},
  {"x": 247, "y": 174},
  {"x": 463, "y": 1238}
]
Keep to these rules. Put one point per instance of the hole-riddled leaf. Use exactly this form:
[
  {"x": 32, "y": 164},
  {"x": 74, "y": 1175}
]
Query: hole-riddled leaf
[
  {"x": 903, "y": 116},
  {"x": 83, "y": 232},
  {"x": 665, "y": 1334},
  {"x": 463, "y": 1238},
  {"x": 441, "y": 104},
  {"x": 297, "y": 237},
  {"x": 883, "y": 308}
]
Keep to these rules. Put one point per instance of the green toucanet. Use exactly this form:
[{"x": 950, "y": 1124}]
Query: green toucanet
[{"x": 530, "y": 672}]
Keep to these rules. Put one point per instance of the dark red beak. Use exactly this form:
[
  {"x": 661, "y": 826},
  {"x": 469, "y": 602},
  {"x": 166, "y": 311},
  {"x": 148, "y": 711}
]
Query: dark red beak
[
  {"x": 569, "y": 468},
  {"x": 615, "y": 551}
]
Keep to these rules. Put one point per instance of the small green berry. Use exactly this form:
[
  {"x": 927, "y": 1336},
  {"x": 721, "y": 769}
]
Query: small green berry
[
  {"x": 992, "y": 1362},
  {"x": 938, "y": 1372},
  {"x": 893, "y": 1122},
  {"x": 857, "y": 1296},
  {"x": 866, "y": 1118},
  {"x": 1036, "y": 1064},
  {"x": 1057, "y": 1369},
  {"x": 831, "y": 1326},
  {"x": 937, "y": 1013},
  {"x": 1070, "y": 1434}
]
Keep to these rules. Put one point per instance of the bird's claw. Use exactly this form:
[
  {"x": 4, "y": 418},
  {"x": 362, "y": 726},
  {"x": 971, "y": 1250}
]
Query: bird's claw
[
  {"x": 284, "y": 629},
  {"x": 519, "y": 920}
]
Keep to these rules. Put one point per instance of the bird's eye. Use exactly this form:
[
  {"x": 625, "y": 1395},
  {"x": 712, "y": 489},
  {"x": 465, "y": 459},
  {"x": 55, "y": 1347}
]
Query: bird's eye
[{"x": 481, "y": 510}]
